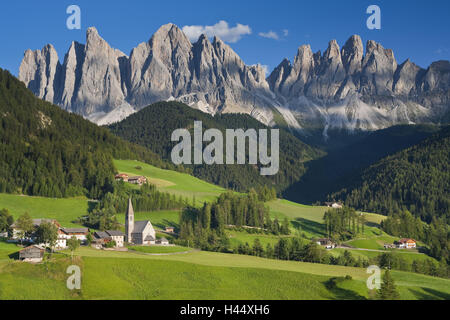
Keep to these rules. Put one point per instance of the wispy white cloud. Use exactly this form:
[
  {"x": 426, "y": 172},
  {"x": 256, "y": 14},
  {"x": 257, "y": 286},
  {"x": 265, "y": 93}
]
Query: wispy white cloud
[
  {"x": 274, "y": 35},
  {"x": 220, "y": 29},
  {"x": 269, "y": 35}
]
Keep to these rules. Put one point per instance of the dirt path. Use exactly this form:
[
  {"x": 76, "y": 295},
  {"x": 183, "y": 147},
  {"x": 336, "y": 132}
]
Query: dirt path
[
  {"x": 375, "y": 250},
  {"x": 162, "y": 254}
]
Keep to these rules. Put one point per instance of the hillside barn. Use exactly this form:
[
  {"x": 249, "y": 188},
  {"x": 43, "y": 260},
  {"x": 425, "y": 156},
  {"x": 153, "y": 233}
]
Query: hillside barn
[{"x": 31, "y": 254}]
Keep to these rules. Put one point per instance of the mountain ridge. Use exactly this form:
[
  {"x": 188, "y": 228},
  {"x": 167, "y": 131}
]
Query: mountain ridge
[{"x": 340, "y": 89}]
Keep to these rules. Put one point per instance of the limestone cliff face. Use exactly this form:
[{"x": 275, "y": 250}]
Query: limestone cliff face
[
  {"x": 96, "y": 80},
  {"x": 347, "y": 89},
  {"x": 40, "y": 71},
  {"x": 343, "y": 88}
]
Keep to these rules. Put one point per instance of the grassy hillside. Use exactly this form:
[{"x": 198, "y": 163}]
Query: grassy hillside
[
  {"x": 199, "y": 275},
  {"x": 153, "y": 126},
  {"x": 171, "y": 181},
  {"x": 64, "y": 210}
]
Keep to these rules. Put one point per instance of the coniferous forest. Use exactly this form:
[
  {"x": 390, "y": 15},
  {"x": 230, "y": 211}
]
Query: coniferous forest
[
  {"x": 152, "y": 127},
  {"x": 415, "y": 179},
  {"x": 49, "y": 152}
]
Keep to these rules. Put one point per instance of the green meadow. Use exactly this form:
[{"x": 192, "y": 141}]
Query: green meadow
[
  {"x": 159, "y": 249},
  {"x": 365, "y": 254},
  {"x": 177, "y": 183},
  {"x": 64, "y": 210},
  {"x": 242, "y": 237},
  {"x": 184, "y": 273},
  {"x": 198, "y": 275}
]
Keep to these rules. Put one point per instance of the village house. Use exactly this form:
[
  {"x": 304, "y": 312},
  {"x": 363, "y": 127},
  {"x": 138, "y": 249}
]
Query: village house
[
  {"x": 334, "y": 205},
  {"x": 140, "y": 180},
  {"x": 31, "y": 254},
  {"x": 138, "y": 232},
  {"x": 117, "y": 236},
  {"x": 121, "y": 177},
  {"x": 65, "y": 234},
  {"x": 162, "y": 242},
  {"x": 69, "y": 233},
  {"x": 170, "y": 229},
  {"x": 406, "y": 244},
  {"x": 326, "y": 243},
  {"x": 61, "y": 243},
  {"x": 101, "y": 238},
  {"x": 36, "y": 223}
]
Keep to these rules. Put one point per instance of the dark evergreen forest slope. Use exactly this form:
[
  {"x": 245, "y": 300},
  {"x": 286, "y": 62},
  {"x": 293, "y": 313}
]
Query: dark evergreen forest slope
[
  {"x": 152, "y": 127},
  {"x": 49, "y": 152},
  {"x": 415, "y": 179}
]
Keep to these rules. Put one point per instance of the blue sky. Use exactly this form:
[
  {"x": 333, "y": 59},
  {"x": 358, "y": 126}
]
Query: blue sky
[{"x": 418, "y": 30}]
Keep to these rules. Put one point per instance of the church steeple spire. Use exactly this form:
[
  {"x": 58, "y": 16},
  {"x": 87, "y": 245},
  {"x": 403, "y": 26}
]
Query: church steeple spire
[{"x": 129, "y": 221}]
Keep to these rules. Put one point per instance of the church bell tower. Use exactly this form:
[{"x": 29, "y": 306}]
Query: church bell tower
[{"x": 129, "y": 221}]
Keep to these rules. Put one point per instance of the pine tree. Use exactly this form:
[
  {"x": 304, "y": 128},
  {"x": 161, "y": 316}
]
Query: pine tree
[
  {"x": 388, "y": 290},
  {"x": 258, "y": 249}
]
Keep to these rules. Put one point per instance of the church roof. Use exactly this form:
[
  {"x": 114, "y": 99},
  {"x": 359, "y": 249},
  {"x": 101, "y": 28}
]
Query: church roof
[
  {"x": 139, "y": 226},
  {"x": 149, "y": 238}
]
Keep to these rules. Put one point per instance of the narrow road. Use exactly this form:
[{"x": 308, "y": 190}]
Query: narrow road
[
  {"x": 375, "y": 250},
  {"x": 161, "y": 254}
]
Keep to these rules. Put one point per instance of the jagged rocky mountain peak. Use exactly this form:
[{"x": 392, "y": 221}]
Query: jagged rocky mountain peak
[
  {"x": 342, "y": 88},
  {"x": 333, "y": 50},
  {"x": 352, "y": 54}
]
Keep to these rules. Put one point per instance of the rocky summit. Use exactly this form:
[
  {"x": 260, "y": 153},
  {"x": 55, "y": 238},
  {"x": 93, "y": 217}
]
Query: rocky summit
[{"x": 340, "y": 89}]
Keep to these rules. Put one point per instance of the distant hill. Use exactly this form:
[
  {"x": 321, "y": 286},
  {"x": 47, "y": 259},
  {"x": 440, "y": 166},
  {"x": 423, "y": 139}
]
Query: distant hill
[
  {"x": 152, "y": 127},
  {"x": 416, "y": 179},
  {"x": 49, "y": 152},
  {"x": 347, "y": 156}
]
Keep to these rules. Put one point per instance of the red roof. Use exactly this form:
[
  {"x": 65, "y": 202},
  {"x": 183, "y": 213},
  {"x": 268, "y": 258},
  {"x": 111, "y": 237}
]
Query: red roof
[{"x": 405, "y": 240}]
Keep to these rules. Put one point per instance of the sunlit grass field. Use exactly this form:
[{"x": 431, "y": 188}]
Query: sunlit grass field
[
  {"x": 159, "y": 249},
  {"x": 137, "y": 274},
  {"x": 171, "y": 181},
  {"x": 242, "y": 237},
  {"x": 64, "y": 210},
  {"x": 198, "y": 275}
]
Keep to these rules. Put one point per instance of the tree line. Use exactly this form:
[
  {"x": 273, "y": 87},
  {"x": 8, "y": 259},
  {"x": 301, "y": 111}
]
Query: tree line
[
  {"x": 46, "y": 151},
  {"x": 205, "y": 227},
  {"x": 344, "y": 223},
  {"x": 145, "y": 199},
  {"x": 435, "y": 234},
  {"x": 301, "y": 249}
]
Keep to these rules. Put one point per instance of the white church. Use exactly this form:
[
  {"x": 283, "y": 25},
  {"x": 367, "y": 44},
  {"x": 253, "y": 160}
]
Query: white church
[{"x": 138, "y": 232}]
